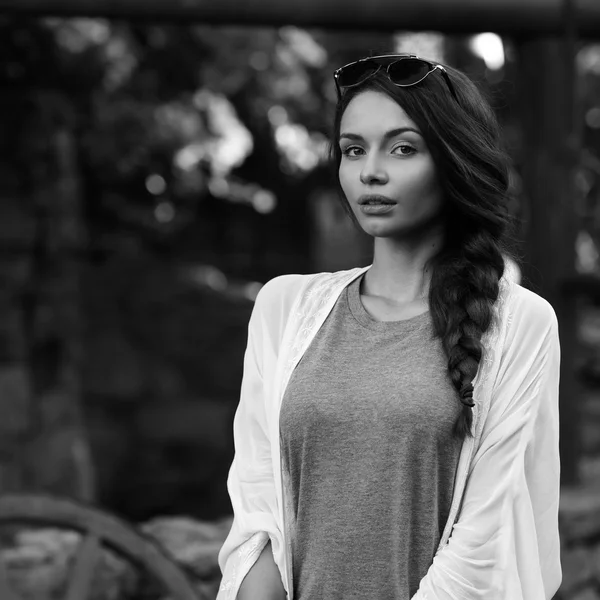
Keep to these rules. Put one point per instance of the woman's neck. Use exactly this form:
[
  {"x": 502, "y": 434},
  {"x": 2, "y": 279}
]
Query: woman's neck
[{"x": 399, "y": 273}]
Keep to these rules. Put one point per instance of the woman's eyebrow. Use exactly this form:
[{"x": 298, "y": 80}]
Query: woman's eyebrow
[{"x": 386, "y": 136}]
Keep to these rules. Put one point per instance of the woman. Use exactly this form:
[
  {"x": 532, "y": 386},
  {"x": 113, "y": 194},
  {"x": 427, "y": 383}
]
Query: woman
[{"x": 397, "y": 433}]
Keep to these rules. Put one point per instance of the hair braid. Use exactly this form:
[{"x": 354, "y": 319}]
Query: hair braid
[{"x": 463, "y": 290}]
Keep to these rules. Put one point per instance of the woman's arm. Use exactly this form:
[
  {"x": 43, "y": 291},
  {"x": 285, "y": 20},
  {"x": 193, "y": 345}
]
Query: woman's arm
[
  {"x": 263, "y": 581},
  {"x": 505, "y": 544}
]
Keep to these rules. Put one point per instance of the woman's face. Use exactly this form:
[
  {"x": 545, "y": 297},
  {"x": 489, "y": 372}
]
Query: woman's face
[{"x": 386, "y": 172}]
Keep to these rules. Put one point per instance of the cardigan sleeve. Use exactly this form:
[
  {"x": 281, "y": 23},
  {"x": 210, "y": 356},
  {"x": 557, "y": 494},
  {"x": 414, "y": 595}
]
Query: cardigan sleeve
[
  {"x": 250, "y": 481},
  {"x": 505, "y": 544}
]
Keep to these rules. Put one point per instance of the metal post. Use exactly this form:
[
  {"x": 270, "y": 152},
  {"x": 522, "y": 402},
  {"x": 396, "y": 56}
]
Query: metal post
[
  {"x": 512, "y": 17},
  {"x": 551, "y": 142}
]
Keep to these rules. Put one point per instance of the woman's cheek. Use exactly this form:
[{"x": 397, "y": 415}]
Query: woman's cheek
[
  {"x": 346, "y": 182},
  {"x": 343, "y": 185}
]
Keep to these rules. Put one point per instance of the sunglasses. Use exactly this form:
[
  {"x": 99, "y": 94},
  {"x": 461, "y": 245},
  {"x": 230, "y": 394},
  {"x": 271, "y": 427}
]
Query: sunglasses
[{"x": 402, "y": 70}]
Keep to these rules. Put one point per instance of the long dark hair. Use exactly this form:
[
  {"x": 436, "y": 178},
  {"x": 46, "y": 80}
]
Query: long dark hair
[{"x": 473, "y": 170}]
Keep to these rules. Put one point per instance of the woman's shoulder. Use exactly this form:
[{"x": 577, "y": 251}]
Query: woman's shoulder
[
  {"x": 279, "y": 294},
  {"x": 525, "y": 308}
]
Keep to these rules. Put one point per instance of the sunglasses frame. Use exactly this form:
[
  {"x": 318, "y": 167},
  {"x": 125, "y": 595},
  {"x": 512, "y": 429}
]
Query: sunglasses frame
[{"x": 399, "y": 57}]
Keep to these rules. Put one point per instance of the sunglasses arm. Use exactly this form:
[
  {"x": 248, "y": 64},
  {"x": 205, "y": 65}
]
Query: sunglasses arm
[{"x": 449, "y": 83}]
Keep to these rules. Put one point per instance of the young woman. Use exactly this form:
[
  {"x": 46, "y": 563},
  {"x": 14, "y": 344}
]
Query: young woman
[{"x": 397, "y": 433}]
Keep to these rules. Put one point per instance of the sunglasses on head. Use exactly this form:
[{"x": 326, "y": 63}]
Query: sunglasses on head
[{"x": 402, "y": 70}]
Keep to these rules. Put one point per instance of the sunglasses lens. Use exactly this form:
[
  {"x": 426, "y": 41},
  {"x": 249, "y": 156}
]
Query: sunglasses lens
[
  {"x": 408, "y": 71},
  {"x": 356, "y": 73}
]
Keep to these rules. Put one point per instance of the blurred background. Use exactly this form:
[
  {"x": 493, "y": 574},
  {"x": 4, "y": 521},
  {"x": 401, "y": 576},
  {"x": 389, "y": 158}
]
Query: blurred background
[{"x": 159, "y": 163}]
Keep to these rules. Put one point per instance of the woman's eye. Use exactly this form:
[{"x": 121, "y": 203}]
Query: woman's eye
[
  {"x": 404, "y": 149},
  {"x": 352, "y": 151}
]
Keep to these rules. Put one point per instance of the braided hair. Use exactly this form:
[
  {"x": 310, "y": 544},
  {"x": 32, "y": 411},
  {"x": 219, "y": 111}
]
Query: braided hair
[{"x": 473, "y": 170}]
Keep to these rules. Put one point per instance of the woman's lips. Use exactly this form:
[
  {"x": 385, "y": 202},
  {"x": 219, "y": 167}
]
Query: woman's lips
[
  {"x": 375, "y": 199},
  {"x": 376, "y": 209},
  {"x": 375, "y": 204}
]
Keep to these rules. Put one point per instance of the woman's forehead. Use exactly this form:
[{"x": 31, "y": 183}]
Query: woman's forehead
[{"x": 371, "y": 111}]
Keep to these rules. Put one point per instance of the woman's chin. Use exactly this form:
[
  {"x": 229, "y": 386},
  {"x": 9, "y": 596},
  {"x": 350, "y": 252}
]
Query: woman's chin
[{"x": 381, "y": 229}]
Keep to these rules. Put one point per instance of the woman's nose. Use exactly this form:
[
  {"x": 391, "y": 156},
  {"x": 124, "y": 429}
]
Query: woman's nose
[{"x": 373, "y": 172}]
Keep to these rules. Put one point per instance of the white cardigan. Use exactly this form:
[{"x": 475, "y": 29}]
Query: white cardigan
[{"x": 501, "y": 539}]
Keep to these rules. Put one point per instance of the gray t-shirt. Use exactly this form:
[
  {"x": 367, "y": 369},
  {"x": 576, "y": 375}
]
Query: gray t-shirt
[{"x": 368, "y": 454}]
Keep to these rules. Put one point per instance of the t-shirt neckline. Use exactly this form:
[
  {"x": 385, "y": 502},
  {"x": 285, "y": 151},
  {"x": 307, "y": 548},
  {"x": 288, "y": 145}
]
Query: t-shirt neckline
[{"x": 359, "y": 312}]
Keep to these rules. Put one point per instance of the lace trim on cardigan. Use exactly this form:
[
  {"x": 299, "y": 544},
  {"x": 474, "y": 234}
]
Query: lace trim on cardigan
[
  {"x": 319, "y": 293},
  {"x": 289, "y": 525},
  {"x": 247, "y": 554}
]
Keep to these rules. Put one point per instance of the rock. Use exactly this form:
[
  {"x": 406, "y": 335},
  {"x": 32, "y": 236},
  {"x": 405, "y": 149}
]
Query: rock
[
  {"x": 192, "y": 544},
  {"x": 38, "y": 565}
]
